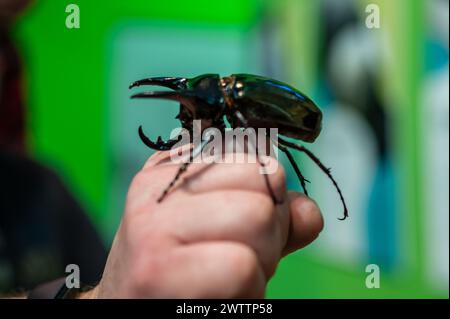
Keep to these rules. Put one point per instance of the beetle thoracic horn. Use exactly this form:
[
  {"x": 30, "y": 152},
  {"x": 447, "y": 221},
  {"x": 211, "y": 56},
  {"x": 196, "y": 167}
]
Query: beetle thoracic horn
[
  {"x": 181, "y": 96},
  {"x": 169, "y": 82}
]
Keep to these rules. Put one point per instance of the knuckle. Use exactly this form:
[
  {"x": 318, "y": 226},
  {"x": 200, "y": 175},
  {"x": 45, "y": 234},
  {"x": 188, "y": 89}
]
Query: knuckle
[
  {"x": 247, "y": 270},
  {"x": 139, "y": 180},
  {"x": 278, "y": 177},
  {"x": 274, "y": 171},
  {"x": 143, "y": 180},
  {"x": 262, "y": 212},
  {"x": 147, "y": 274}
]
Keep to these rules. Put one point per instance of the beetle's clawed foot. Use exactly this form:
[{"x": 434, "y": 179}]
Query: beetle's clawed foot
[{"x": 160, "y": 144}]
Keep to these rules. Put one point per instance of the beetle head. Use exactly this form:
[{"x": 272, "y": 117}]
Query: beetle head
[{"x": 200, "y": 95}]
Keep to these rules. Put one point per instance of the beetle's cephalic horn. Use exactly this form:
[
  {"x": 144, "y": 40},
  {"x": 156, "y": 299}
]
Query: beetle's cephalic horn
[
  {"x": 181, "y": 96},
  {"x": 169, "y": 82}
]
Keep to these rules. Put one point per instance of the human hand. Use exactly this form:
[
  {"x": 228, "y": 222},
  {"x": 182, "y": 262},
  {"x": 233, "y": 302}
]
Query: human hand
[{"x": 216, "y": 235}]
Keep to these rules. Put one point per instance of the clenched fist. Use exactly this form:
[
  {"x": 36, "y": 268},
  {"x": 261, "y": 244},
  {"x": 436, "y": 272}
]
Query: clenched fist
[{"x": 217, "y": 234}]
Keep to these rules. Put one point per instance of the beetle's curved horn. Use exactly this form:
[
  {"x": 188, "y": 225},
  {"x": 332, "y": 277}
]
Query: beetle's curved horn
[
  {"x": 169, "y": 82},
  {"x": 181, "y": 96}
]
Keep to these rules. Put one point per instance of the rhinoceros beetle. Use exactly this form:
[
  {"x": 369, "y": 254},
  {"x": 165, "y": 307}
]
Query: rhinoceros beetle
[{"x": 246, "y": 101}]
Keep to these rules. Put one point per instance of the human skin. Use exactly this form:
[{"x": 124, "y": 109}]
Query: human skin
[{"x": 217, "y": 234}]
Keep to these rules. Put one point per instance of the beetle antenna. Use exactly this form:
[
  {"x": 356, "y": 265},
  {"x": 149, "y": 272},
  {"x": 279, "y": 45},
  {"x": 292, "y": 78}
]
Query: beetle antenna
[{"x": 326, "y": 170}]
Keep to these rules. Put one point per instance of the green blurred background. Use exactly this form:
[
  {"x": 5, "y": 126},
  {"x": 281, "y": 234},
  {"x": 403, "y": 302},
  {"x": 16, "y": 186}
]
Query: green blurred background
[{"x": 384, "y": 93}]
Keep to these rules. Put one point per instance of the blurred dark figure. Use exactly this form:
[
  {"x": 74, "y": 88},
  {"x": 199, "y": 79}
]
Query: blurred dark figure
[
  {"x": 12, "y": 119},
  {"x": 42, "y": 227}
]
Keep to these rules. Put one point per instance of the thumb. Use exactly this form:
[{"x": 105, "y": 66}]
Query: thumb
[{"x": 306, "y": 222}]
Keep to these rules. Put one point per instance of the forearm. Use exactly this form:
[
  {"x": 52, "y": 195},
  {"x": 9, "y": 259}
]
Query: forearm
[{"x": 55, "y": 290}]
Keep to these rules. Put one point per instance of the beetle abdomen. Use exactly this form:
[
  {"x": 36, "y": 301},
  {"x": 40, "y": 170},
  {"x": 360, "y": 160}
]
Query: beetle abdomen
[{"x": 272, "y": 104}]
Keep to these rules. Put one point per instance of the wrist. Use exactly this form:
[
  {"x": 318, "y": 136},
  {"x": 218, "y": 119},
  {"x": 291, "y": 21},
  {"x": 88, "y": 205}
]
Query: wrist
[{"x": 90, "y": 294}]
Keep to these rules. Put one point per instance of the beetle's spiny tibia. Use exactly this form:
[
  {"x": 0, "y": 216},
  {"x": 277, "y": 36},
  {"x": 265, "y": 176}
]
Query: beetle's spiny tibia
[{"x": 325, "y": 169}]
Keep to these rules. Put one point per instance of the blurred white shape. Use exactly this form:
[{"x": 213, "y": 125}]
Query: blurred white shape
[
  {"x": 435, "y": 125},
  {"x": 356, "y": 54},
  {"x": 348, "y": 146},
  {"x": 437, "y": 17}
]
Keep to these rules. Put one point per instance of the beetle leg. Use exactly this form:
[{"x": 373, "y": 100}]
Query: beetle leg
[
  {"x": 266, "y": 179},
  {"x": 160, "y": 145},
  {"x": 169, "y": 82},
  {"x": 299, "y": 174},
  {"x": 244, "y": 123},
  {"x": 326, "y": 170},
  {"x": 195, "y": 152}
]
